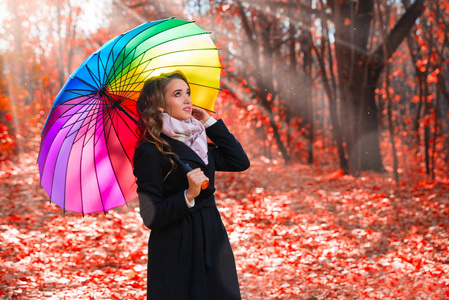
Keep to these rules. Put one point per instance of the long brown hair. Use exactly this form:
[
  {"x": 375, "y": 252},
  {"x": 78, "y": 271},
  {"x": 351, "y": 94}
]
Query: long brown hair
[{"x": 149, "y": 104}]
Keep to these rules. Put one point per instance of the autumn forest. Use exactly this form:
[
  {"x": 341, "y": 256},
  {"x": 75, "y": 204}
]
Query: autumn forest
[{"x": 342, "y": 107}]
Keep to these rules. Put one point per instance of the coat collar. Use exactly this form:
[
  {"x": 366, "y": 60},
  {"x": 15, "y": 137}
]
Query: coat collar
[{"x": 184, "y": 152}]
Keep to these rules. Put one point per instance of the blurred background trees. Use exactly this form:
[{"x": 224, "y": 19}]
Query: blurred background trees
[{"x": 355, "y": 85}]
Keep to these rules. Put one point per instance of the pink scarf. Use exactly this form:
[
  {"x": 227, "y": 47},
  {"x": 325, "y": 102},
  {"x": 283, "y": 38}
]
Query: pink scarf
[{"x": 190, "y": 132}]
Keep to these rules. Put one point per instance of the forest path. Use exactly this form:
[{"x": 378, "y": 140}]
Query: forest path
[{"x": 298, "y": 232}]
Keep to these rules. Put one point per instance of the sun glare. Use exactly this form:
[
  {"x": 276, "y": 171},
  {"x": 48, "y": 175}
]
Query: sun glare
[
  {"x": 3, "y": 15},
  {"x": 94, "y": 14}
]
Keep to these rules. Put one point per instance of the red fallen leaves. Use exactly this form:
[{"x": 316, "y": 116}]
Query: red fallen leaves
[
  {"x": 48, "y": 254},
  {"x": 300, "y": 233},
  {"x": 297, "y": 232}
]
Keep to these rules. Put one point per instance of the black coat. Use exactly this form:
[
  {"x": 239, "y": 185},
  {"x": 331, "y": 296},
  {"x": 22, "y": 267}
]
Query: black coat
[{"x": 189, "y": 254}]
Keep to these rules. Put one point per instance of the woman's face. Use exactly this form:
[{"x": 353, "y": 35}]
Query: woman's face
[{"x": 177, "y": 100}]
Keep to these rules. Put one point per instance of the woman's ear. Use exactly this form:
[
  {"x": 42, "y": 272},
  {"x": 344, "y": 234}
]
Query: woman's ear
[{"x": 161, "y": 109}]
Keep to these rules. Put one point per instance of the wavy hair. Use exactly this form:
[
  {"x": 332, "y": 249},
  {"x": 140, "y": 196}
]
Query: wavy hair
[{"x": 149, "y": 103}]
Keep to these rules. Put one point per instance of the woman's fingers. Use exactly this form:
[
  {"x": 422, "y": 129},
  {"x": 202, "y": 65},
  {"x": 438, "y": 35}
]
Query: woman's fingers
[
  {"x": 200, "y": 179},
  {"x": 200, "y": 114},
  {"x": 196, "y": 178}
]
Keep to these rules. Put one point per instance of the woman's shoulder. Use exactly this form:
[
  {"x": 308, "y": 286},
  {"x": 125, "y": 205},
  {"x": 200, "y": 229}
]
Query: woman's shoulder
[
  {"x": 146, "y": 148},
  {"x": 146, "y": 156},
  {"x": 148, "y": 151}
]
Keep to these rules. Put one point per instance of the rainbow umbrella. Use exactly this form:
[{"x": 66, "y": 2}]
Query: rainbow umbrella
[{"x": 87, "y": 144}]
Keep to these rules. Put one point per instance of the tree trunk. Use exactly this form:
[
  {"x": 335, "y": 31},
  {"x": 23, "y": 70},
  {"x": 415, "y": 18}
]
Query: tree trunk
[
  {"x": 363, "y": 148},
  {"x": 427, "y": 121},
  {"x": 59, "y": 57},
  {"x": 351, "y": 35},
  {"x": 307, "y": 68},
  {"x": 352, "y": 29},
  {"x": 291, "y": 95},
  {"x": 330, "y": 86},
  {"x": 436, "y": 133},
  {"x": 263, "y": 76},
  {"x": 388, "y": 96}
]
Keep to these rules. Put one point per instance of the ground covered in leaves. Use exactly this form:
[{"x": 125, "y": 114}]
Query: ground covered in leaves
[{"x": 298, "y": 232}]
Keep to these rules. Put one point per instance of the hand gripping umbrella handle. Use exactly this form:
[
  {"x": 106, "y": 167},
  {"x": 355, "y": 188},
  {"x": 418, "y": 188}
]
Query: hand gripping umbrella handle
[{"x": 187, "y": 169}]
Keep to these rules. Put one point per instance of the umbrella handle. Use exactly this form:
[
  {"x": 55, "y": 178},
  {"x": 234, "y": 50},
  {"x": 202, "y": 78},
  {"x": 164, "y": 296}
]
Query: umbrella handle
[{"x": 187, "y": 169}]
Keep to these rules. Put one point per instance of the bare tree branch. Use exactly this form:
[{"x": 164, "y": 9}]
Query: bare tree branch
[{"x": 400, "y": 31}]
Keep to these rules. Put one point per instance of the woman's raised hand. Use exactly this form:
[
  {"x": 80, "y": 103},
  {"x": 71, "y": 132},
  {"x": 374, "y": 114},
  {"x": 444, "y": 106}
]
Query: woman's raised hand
[
  {"x": 196, "y": 178},
  {"x": 200, "y": 114}
]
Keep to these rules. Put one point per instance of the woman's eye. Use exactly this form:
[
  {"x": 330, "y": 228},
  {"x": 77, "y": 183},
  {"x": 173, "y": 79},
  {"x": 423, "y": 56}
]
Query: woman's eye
[
  {"x": 188, "y": 93},
  {"x": 177, "y": 94}
]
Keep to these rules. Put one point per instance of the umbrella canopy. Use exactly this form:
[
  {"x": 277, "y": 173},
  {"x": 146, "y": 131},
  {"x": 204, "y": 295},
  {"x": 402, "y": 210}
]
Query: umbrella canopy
[{"x": 87, "y": 144}]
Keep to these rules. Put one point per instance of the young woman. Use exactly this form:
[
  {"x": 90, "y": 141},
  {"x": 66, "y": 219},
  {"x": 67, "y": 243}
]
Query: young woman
[{"x": 189, "y": 254}]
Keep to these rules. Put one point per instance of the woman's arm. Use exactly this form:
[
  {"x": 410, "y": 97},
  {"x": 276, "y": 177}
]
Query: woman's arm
[
  {"x": 229, "y": 154},
  {"x": 156, "y": 211}
]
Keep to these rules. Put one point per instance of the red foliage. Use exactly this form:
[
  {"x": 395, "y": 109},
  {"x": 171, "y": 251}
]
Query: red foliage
[
  {"x": 6, "y": 143},
  {"x": 297, "y": 231},
  {"x": 8, "y": 117}
]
